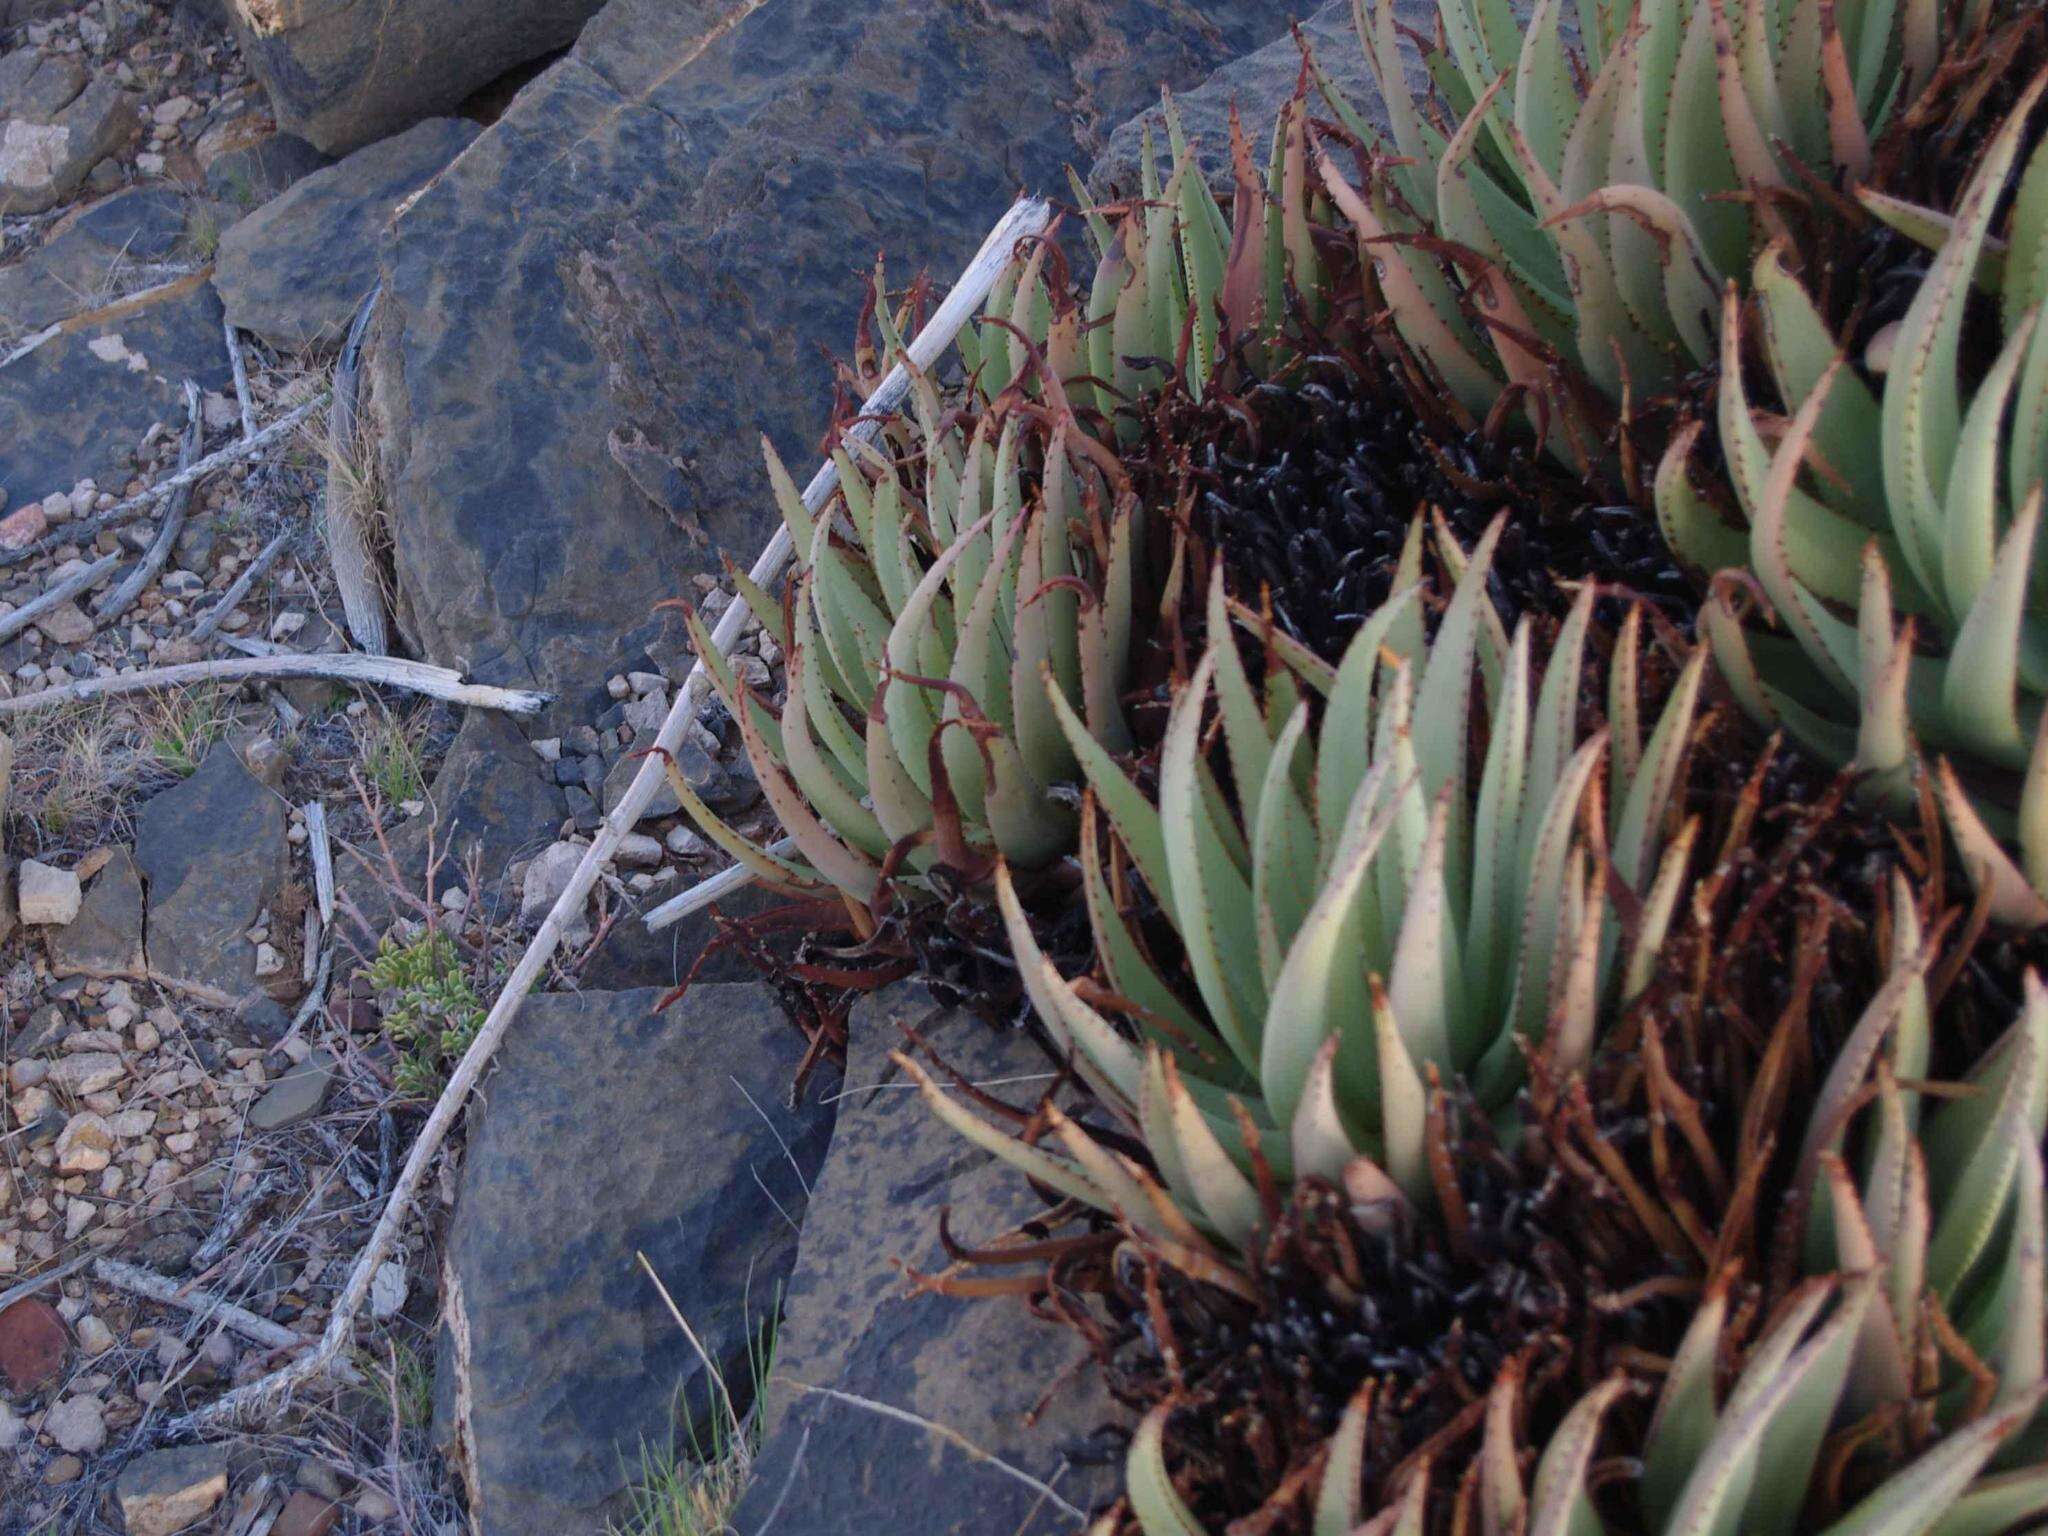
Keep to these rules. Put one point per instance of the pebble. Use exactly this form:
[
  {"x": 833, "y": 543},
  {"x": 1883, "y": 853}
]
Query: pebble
[
  {"x": 85, "y": 1145},
  {"x": 48, "y": 895},
  {"x": 94, "y": 1336},
  {"x": 23, "y": 526},
  {"x": 685, "y": 842},
  {"x": 77, "y": 1424},
  {"x": 637, "y": 851}
]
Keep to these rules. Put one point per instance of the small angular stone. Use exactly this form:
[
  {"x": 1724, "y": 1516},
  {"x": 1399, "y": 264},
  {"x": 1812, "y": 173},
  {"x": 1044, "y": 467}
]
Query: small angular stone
[
  {"x": 48, "y": 895},
  {"x": 166, "y": 1491}
]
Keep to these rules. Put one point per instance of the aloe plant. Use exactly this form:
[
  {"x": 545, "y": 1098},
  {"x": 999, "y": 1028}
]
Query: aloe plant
[
  {"x": 1603, "y": 193},
  {"x": 997, "y": 536},
  {"x": 1916, "y": 509},
  {"x": 1897, "y": 1389},
  {"x": 1379, "y": 905}
]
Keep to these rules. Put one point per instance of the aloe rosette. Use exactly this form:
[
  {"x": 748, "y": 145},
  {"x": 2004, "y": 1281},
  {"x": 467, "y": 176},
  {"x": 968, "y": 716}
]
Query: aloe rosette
[
  {"x": 994, "y": 536},
  {"x": 1380, "y": 906},
  {"x": 1912, "y": 505},
  {"x": 1895, "y": 1391},
  {"x": 1617, "y": 182}
]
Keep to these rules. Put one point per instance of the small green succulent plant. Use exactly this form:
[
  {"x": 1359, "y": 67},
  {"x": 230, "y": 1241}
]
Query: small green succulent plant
[
  {"x": 1381, "y": 904},
  {"x": 1913, "y": 503}
]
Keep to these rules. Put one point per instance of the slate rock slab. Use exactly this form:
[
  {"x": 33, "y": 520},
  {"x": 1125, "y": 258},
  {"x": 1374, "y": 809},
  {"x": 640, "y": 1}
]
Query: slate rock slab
[
  {"x": 340, "y": 73},
  {"x": 212, "y": 855},
  {"x": 569, "y": 401},
  {"x": 294, "y": 271},
  {"x": 79, "y": 404},
  {"x": 89, "y": 258},
  {"x": 607, "y": 1130},
  {"x": 105, "y": 939},
  {"x": 976, "y": 1366},
  {"x": 1257, "y": 85}
]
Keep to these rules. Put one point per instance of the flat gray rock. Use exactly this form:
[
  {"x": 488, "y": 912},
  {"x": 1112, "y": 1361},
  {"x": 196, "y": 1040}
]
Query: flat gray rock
[
  {"x": 591, "y": 317},
  {"x": 977, "y": 1367},
  {"x": 92, "y": 258},
  {"x": 296, "y": 1096},
  {"x": 105, "y": 939},
  {"x": 212, "y": 855},
  {"x": 294, "y": 271},
  {"x": 80, "y": 403},
  {"x": 608, "y": 1130}
]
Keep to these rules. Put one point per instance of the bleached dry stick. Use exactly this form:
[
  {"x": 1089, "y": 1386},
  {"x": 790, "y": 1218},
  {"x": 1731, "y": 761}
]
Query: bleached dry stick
[
  {"x": 220, "y": 458},
  {"x": 322, "y": 853},
  {"x": 250, "y": 574},
  {"x": 122, "y": 598},
  {"x": 442, "y": 683},
  {"x": 85, "y": 577},
  {"x": 241, "y": 371},
  {"x": 1027, "y": 217},
  {"x": 706, "y": 891},
  {"x": 169, "y": 1293}
]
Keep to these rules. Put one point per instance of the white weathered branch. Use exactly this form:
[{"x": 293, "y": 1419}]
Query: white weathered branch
[
  {"x": 1027, "y": 217},
  {"x": 244, "y": 580},
  {"x": 85, "y": 577},
  {"x": 241, "y": 372},
  {"x": 442, "y": 683},
  {"x": 706, "y": 891}
]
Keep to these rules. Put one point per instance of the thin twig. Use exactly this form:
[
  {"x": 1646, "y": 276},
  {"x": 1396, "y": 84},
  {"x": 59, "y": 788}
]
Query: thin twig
[
  {"x": 321, "y": 851},
  {"x": 122, "y": 598},
  {"x": 706, "y": 891},
  {"x": 169, "y": 1293},
  {"x": 241, "y": 371},
  {"x": 220, "y": 458},
  {"x": 249, "y": 575},
  {"x": 35, "y": 1283},
  {"x": 442, "y": 683},
  {"x": 80, "y": 580},
  {"x": 1027, "y": 217},
  {"x": 951, "y": 1436}
]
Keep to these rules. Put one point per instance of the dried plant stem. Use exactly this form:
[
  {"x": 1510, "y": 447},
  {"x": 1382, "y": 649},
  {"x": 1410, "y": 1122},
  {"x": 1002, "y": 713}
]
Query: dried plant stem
[
  {"x": 118, "y": 601},
  {"x": 414, "y": 676},
  {"x": 80, "y": 580},
  {"x": 321, "y": 850},
  {"x": 250, "y": 574},
  {"x": 241, "y": 372},
  {"x": 706, "y": 891},
  {"x": 134, "y": 506},
  {"x": 1027, "y": 217},
  {"x": 169, "y": 1293}
]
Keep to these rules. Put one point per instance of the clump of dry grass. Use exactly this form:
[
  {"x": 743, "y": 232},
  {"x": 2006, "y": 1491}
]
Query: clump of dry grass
[{"x": 80, "y": 768}]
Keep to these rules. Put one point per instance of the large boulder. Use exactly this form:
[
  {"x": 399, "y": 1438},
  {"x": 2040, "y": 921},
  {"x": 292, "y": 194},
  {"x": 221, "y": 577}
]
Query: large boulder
[
  {"x": 341, "y": 73},
  {"x": 569, "y": 401},
  {"x": 876, "y": 1386},
  {"x": 294, "y": 271},
  {"x": 79, "y": 404},
  {"x": 608, "y": 1131}
]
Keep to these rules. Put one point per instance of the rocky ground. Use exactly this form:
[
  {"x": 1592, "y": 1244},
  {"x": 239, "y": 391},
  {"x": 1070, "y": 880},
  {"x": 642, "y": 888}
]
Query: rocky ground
[{"x": 597, "y": 283}]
